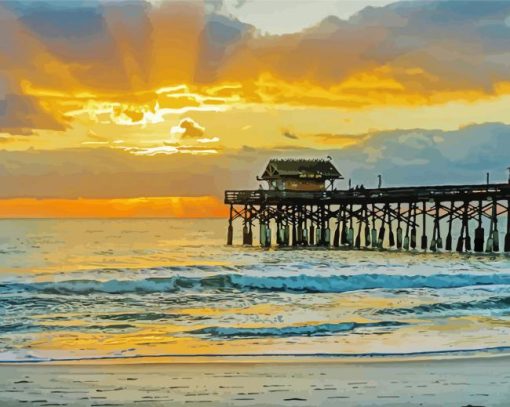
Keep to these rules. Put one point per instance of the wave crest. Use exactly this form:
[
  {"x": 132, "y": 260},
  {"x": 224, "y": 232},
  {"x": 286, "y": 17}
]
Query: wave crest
[
  {"x": 493, "y": 303},
  {"x": 289, "y": 331},
  {"x": 238, "y": 282}
]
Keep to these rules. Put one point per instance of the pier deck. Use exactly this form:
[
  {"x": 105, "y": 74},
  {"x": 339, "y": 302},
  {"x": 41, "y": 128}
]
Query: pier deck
[{"x": 376, "y": 195}]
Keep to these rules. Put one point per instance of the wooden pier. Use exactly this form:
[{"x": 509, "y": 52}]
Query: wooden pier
[{"x": 458, "y": 218}]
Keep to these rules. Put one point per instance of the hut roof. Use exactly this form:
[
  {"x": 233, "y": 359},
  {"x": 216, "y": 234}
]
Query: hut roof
[{"x": 300, "y": 168}]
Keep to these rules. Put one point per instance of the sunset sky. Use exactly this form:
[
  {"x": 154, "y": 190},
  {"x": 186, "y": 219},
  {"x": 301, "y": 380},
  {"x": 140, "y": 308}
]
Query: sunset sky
[{"x": 105, "y": 104}]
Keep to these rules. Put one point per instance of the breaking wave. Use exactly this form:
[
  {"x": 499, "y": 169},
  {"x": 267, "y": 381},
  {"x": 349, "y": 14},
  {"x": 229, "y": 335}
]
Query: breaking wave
[
  {"x": 289, "y": 331},
  {"x": 238, "y": 282},
  {"x": 493, "y": 303}
]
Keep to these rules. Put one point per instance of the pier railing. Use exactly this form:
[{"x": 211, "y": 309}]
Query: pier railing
[{"x": 379, "y": 195}]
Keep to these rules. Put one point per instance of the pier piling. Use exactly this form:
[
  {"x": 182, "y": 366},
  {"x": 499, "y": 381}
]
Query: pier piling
[
  {"x": 424, "y": 227},
  {"x": 507, "y": 235}
]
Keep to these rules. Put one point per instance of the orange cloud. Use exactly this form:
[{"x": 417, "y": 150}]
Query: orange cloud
[
  {"x": 339, "y": 140},
  {"x": 188, "y": 128},
  {"x": 134, "y": 63}
]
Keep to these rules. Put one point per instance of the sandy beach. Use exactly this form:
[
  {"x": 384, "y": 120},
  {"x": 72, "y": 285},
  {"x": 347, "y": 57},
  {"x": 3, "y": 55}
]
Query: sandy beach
[{"x": 455, "y": 382}]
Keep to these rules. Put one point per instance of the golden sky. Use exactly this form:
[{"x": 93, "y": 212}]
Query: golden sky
[{"x": 190, "y": 97}]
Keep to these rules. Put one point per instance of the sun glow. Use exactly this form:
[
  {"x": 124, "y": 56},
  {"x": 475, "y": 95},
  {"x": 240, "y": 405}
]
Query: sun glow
[{"x": 178, "y": 207}]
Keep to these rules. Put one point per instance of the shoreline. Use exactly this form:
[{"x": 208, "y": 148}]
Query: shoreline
[{"x": 270, "y": 359}]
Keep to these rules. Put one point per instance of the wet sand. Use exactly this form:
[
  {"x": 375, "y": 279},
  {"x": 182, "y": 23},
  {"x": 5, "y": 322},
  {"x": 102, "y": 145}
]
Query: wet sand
[{"x": 457, "y": 382}]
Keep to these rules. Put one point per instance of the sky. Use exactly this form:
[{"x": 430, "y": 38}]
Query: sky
[{"x": 159, "y": 106}]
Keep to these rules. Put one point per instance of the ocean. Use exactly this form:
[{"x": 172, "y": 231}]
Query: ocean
[{"x": 73, "y": 290}]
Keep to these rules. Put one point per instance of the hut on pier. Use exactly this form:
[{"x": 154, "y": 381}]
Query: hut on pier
[{"x": 300, "y": 175}]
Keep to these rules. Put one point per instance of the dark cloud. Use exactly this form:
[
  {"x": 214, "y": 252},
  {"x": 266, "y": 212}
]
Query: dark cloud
[
  {"x": 19, "y": 114},
  {"x": 290, "y": 135}
]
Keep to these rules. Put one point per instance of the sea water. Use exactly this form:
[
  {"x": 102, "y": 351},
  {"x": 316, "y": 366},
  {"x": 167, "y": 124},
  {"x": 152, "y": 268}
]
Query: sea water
[{"x": 123, "y": 289}]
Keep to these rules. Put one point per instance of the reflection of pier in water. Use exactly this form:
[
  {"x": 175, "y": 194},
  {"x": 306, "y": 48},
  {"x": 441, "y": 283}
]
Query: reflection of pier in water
[{"x": 403, "y": 218}]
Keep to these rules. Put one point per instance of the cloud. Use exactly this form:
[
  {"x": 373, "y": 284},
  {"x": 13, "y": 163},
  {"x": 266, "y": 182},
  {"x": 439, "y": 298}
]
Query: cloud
[
  {"x": 93, "y": 136},
  {"x": 403, "y": 157},
  {"x": 109, "y": 60},
  {"x": 290, "y": 135},
  {"x": 19, "y": 114},
  {"x": 339, "y": 140},
  {"x": 209, "y": 140},
  {"x": 188, "y": 128}
]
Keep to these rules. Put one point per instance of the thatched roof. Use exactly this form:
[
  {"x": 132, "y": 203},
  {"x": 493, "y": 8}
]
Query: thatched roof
[{"x": 300, "y": 168}]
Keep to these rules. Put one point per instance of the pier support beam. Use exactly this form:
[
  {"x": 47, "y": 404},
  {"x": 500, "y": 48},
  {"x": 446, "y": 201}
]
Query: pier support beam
[
  {"x": 336, "y": 237},
  {"x": 507, "y": 236},
  {"x": 391, "y": 237},
  {"x": 373, "y": 232},
  {"x": 490, "y": 242},
  {"x": 424, "y": 227},
  {"x": 399, "y": 228},
  {"x": 367, "y": 226},
  {"x": 350, "y": 232},
  {"x": 246, "y": 233},
  {"x": 357, "y": 241},
  {"x": 435, "y": 233},
  {"x": 405, "y": 244},
  {"x": 460, "y": 240},
  {"x": 230, "y": 231},
  {"x": 312, "y": 228},
  {"x": 413, "y": 229},
  {"x": 448, "y": 243},
  {"x": 495, "y": 237},
  {"x": 479, "y": 231}
]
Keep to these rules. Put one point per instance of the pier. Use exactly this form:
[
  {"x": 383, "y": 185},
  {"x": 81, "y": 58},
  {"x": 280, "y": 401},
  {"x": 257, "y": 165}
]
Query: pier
[{"x": 302, "y": 208}]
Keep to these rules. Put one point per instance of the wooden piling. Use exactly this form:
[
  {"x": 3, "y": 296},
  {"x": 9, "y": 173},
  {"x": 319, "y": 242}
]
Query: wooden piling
[
  {"x": 424, "y": 227},
  {"x": 357, "y": 243},
  {"x": 230, "y": 232},
  {"x": 467, "y": 240},
  {"x": 350, "y": 232},
  {"x": 495, "y": 237},
  {"x": 382, "y": 231},
  {"x": 373, "y": 232},
  {"x": 433, "y": 241},
  {"x": 391, "y": 237},
  {"x": 406, "y": 242},
  {"x": 367, "y": 226},
  {"x": 461, "y": 239},
  {"x": 489, "y": 247},
  {"x": 413, "y": 229},
  {"x": 507, "y": 235},
  {"x": 399, "y": 228},
  {"x": 448, "y": 243},
  {"x": 479, "y": 231}
]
